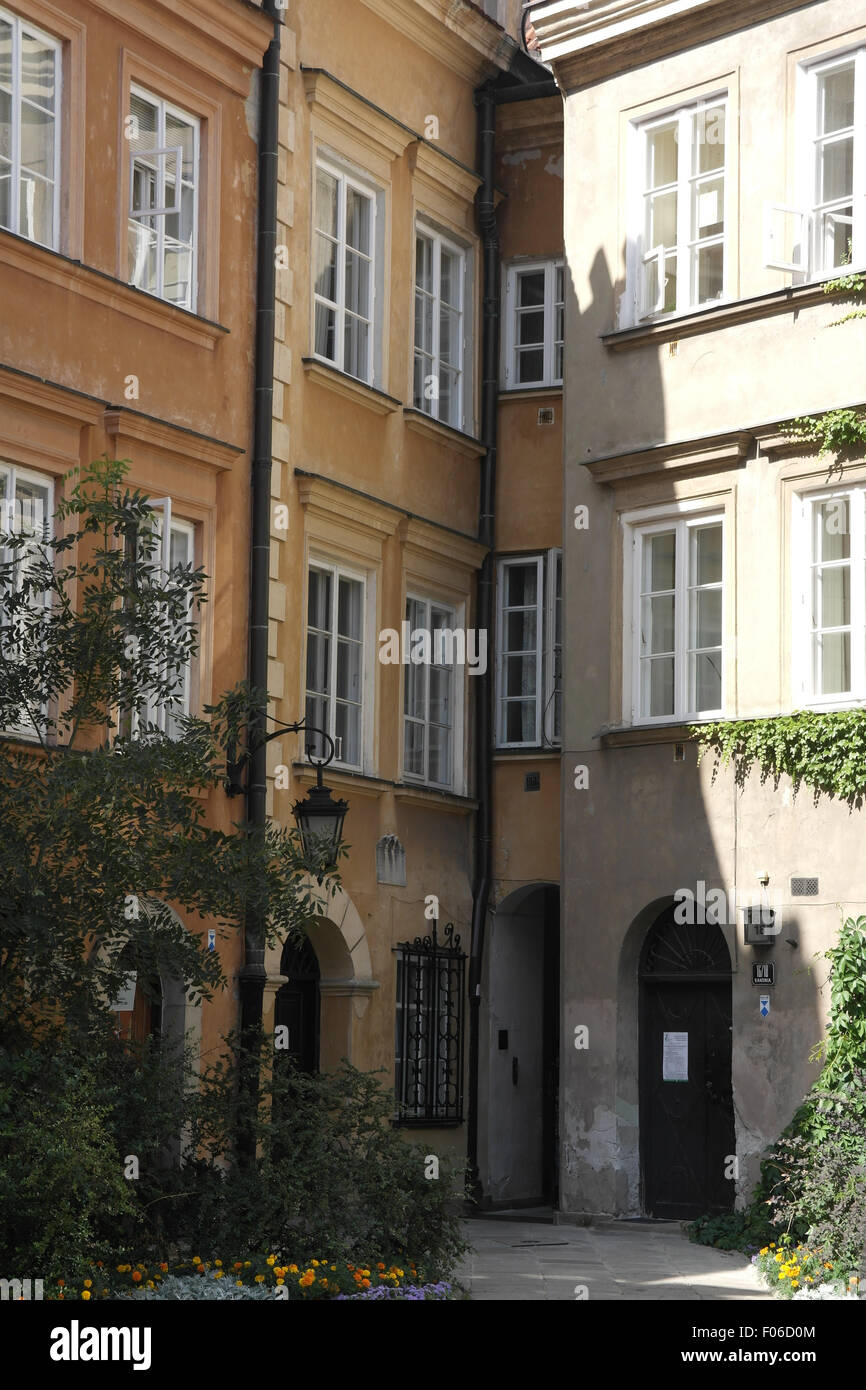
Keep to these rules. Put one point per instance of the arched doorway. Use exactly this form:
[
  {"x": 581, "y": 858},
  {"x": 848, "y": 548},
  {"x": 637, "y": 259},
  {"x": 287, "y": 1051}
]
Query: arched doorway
[
  {"x": 518, "y": 1106},
  {"x": 687, "y": 1137},
  {"x": 297, "y": 1004}
]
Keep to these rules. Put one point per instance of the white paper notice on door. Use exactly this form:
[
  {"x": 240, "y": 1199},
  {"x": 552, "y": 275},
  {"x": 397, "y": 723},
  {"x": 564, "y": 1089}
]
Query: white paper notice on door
[{"x": 675, "y": 1057}]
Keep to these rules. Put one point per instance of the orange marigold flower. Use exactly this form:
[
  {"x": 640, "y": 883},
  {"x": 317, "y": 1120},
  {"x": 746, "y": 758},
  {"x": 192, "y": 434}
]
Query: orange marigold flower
[
  {"x": 85, "y": 1294},
  {"x": 136, "y": 1276},
  {"x": 365, "y": 1283}
]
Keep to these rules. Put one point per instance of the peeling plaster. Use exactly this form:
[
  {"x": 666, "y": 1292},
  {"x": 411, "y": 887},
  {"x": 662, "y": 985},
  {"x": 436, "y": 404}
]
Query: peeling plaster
[
  {"x": 556, "y": 166},
  {"x": 520, "y": 157}
]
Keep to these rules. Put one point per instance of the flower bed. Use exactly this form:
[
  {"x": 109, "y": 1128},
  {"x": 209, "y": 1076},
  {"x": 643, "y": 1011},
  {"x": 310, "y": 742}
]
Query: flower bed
[
  {"x": 261, "y": 1276},
  {"x": 803, "y": 1272}
]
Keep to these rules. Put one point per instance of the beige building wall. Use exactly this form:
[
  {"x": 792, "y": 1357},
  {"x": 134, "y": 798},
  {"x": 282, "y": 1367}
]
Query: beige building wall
[{"x": 681, "y": 411}]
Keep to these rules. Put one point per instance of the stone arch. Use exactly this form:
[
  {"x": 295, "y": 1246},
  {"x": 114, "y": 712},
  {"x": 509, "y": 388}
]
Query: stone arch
[{"x": 346, "y": 981}]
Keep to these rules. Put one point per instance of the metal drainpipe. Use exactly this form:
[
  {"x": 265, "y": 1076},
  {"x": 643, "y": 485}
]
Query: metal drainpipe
[
  {"x": 487, "y": 97},
  {"x": 252, "y": 975}
]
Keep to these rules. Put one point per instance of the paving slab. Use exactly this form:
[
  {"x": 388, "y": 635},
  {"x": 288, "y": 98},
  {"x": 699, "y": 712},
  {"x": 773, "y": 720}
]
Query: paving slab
[{"x": 513, "y": 1260}]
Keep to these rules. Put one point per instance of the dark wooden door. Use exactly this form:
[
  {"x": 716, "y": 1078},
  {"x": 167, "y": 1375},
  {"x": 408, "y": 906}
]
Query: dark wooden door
[
  {"x": 687, "y": 1125},
  {"x": 297, "y": 1006}
]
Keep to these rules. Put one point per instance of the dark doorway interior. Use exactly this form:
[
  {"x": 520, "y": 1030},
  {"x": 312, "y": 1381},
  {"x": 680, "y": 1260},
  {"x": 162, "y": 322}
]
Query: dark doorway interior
[
  {"x": 686, "y": 1096},
  {"x": 297, "y": 1005}
]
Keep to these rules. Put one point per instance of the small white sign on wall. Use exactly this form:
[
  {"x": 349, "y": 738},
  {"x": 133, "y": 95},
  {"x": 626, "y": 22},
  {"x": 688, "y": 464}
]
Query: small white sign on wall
[
  {"x": 125, "y": 1001},
  {"x": 675, "y": 1057}
]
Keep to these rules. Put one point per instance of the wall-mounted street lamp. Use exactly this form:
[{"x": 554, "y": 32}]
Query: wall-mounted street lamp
[{"x": 319, "y": 817}]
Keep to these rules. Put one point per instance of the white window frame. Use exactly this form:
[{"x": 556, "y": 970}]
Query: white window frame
[
  {"x": 637, "y": 526},
  {"x": 440, "y": 242},
  {"x": 338, "y": 571},
  {"x": 19, "y": 23},
  {"x": 639, "y": 256},
  {"x": 162, "y": 507},
  {"x": 368, "y": 190},
  {"x": 13, "y": 472},
  {"x": 545, "y": 649},
  {"x": 162, "y": 153},
  {"x": 512, "y": 274},
  {"x": 456, "y": 619},
  {"x": 807, "y": 164},
  {"x": 803, "y": 564}
]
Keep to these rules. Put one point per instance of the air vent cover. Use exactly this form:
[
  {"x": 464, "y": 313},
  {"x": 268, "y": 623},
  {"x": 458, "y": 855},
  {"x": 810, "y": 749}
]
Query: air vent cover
[{"x": 804, "y": 887}]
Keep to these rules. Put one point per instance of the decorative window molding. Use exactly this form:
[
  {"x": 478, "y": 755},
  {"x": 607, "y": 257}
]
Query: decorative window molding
[
  {"x": 31, "y": 133},
  {"x": 529, "y": 651},
  {"x": 534, "y": 324},
  {"x": 674, "y": 615},
  {"x": 347, "y": 267},
  {"x": 678, "y": 197}
]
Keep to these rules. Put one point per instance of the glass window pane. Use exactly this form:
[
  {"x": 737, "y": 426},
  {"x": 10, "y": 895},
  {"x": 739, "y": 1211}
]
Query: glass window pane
[
  {"x": 836, "y": 170},
  {"x": 142, "y": 246},
  {"x": 349, "y": 606},
  {"x": 659, "y": 562},
  {"x": 326, "y": 203},
  {"x": 520, "y": 675},
  {"x": 347, "y": 728},
  {"x": 662, "y": 151},
  {"x": 413, "y": 748},
  {"x": 143, "y": 128},
  {"x": 659, "y": 686},
  {"x": 37, "y": 70},
  {"x": 318, "y": 662},
  {"x": 833, "y": 597},
  {"x": 349, "y": 671},
  {"x": 326, "y": 267},
  {"x": 36, "y": 209},
  {"x": 707, "y": 618},
  {"x": 707, "y": 681},
  {"x": 708, "y": 141},
  {"x": 519, "y": 721},
  {"x": 316, "y": 715},
  {"x": 521, "y": 630},
  {"x": 179, "y": 132},
  {"x": 707, "y": 555},
  {"x": 659, "y": 623},
  {"x": 358, "y": 220},
  {"x": 440, "y": 755},
  {"x": 355, "y": 350},
  {"x": 326, "y": 332},
  {"x": 5, "y": 125},
  {"x": 441, "y": 681},
  {"x": 710, "y": 273},
  {"x": 357, "y": 293},
  {"x": 662, "y": 226},
  {"x": 833, "y": 662},
  {"x": 521, "y": 585},
  {"x": 449, "y": 336},
  {"x": 836, "y": 100},
  {"x": 5, "y": 54},
  {"x": 449, "y": 278},
  {"x": 530, "y": 365},
  {"x": 530, "y": 289},
  {"x": 530, "y": 328},
  {"x": 708, "y": 208},
  {"x": 833, "y": 529},
  {"x": 319, "y": 600}
]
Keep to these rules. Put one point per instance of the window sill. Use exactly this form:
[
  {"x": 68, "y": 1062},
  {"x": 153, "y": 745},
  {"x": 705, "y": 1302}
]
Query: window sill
[
  {"x": 640, "y": 735},
  {"x": 533, "y": 754},
  {"x": 420, "y": 795},
  {"x": 341, "y": 779},
  {"x": 400, "y": 1122},
  {"x": 715, "y": 316},
  {"x": 530, "y": 393},
  {"x": 457, "y": 440},
  {"x": 55, "y": 268},
  {"x": 349, "y": 386}
]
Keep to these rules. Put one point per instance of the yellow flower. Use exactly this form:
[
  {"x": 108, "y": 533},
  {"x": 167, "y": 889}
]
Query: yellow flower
[
  {"x": 151, "y": 1284},
  {"x": 293, "y": 1269},
  {"x": 218, "y": 1274},
  {"x": 334, "y": 1268},
  {"x": 218, "y": 1263},
  {"x": 247, "y": 1264},
  {"x": 271, "y": 1260},
  {"x": 764, "y": 1251},
  {"x": 240, "y": 1283},
  {"x": 196, "y": 1259},
  {"x": 88, "y": 1283},
  {"x": 315, "y": 1264},
  {"x": 280, "y": 1282},
  {"x": 794, "y": 1284},
  {"x": 260, "y": 1278},
  {"x": 85, "y": 1294}
]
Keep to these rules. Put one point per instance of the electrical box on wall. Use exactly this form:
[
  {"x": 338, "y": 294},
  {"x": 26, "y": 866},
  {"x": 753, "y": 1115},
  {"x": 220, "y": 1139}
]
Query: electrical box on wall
[{"x": 759, "y": 926}]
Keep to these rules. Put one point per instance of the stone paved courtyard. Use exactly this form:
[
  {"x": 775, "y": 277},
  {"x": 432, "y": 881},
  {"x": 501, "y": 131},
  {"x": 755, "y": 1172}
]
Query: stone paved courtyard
[{"x": 515, "y": 1260}]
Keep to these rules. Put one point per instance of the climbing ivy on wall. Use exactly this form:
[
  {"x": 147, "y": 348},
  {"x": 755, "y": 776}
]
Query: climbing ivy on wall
[{"x": 826, "y": 752}]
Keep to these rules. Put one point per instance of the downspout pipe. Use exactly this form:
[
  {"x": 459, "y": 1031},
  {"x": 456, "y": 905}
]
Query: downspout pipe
[
  {"x": 487, "y": 98},
  {"x": 252, "y": 975}
]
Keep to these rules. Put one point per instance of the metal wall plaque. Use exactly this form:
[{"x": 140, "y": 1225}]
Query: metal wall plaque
[{"x": 764, "y": 972}]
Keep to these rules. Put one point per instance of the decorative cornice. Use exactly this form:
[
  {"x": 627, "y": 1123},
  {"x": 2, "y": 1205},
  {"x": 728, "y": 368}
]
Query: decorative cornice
[
  {"x": 456, "y": 33},
  {"x": 387, "y": 137},
  {"x": 222, "y": 38},
  {"x": 349, "y": 386},
  {"x": 524, "y": 125},
  {"x": 455, "y": 440},
  {"x": 428, "y": 540},
  {"x": 588, "y": 40},
  {"x": 184, "y": 444},
  {"x": 711, "y": 454},
  {"x": 328, "y": 499},
  {"x": 449, "y": 184},
  {"x": 760, "y": 306}
]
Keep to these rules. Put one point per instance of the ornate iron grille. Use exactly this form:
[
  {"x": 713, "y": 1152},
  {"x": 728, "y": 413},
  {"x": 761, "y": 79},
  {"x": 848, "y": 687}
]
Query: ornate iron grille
[{"x": 429, "y": 1032}]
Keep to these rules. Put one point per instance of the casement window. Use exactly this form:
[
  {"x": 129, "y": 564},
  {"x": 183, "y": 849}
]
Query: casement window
[
  {"x": 26, "y": 510},
  {"x": 174, "y": 547},
  {"x": 344, "y": 288},
  {"x": 830, "y": 596},
  {"x": 30, "y": 73},
  {"x": 335, "y": 661},
  {"x": 164, "y": 184},
  {"x": 678, "y": 210},
  {"x": 534, "y": 324},
  {"x": 529, "y": 648},
  {"x": 429, "y": 1031},
  {"x": 432, "y": 691},
  {"x": 826, "y": 228},
  {"x": 673, "y": 631},
  {"x": 440, "y": 293}
]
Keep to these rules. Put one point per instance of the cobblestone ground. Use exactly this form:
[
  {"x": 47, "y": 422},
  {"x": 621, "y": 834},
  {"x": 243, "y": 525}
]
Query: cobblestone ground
[{"x": 527, "y": 1260}]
